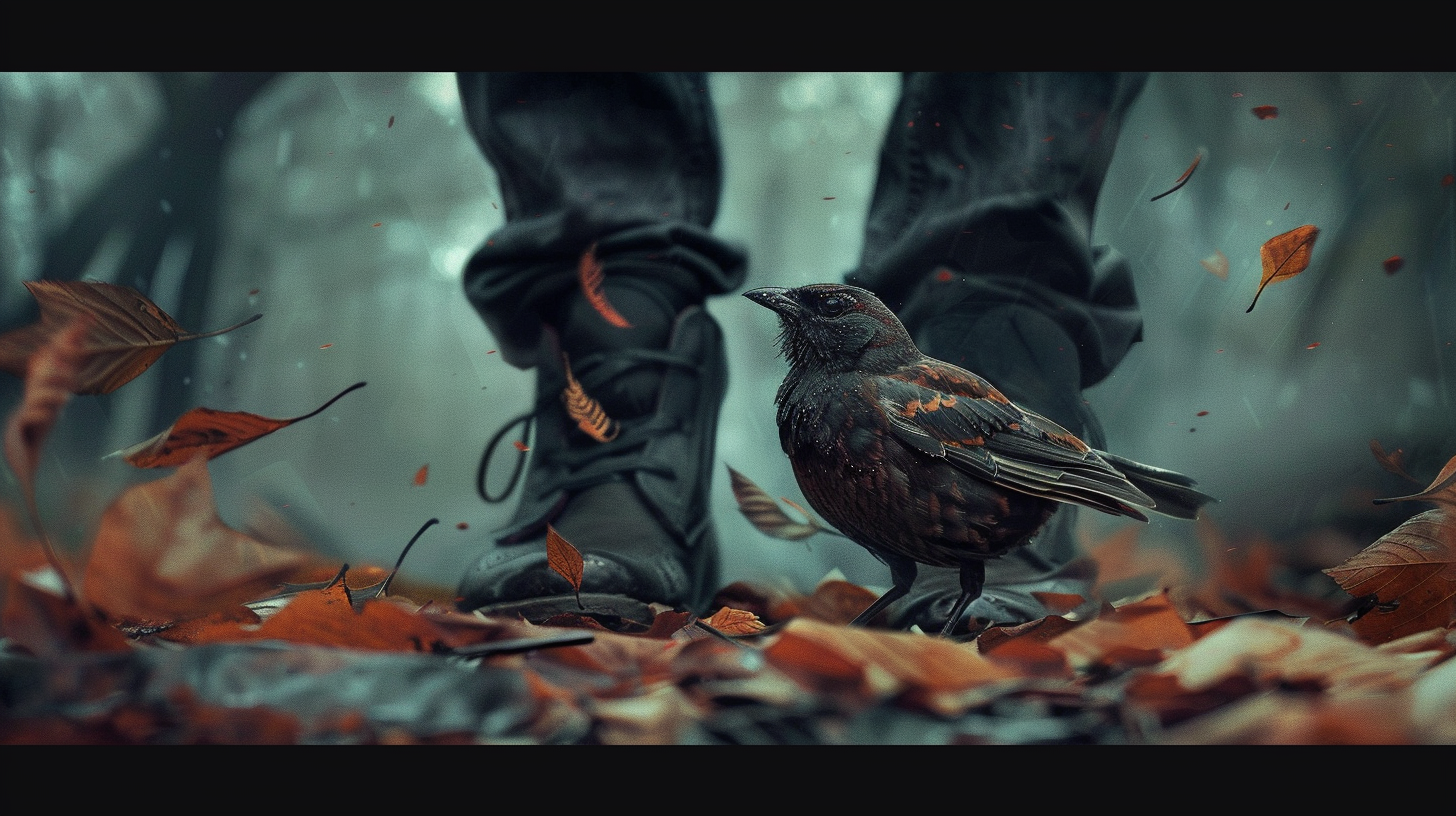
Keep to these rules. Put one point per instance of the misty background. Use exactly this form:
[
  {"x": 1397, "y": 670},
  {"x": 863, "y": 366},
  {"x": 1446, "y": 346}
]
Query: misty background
[{"x": 346, "y": 204}]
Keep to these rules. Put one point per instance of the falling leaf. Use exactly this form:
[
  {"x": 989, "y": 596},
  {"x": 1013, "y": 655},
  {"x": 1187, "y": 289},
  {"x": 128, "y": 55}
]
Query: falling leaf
[
  {"x": 590, "y": 275},
  {"x": 1202, "y": 413},
  {"x": 53, "y": 372},
  {"x": 212, "y": 433},
  {"x": 1183, "y": 179},
  {"x": 327, "y": 345},
  {"x": 565, "y": 560},
  {"x": 1393, "y": 264},
  {"x": 1391, "y": 461},
  {"x": 1285, "y": 256},
  {"x": 127, "y": 334},
  {"x": 163, "y": 553},
  {"x": 764, "y": 514},
  {"x": 587, "y": 412},
  {"x": 1266, "y": 111},
  {"x": 391, "y": 123},
  {"x": 1217, "y": 264},
  {"x": 421, "y": 475},
  {"x": 1312, "y": 346},
  {"x": 520, "y": 446}
]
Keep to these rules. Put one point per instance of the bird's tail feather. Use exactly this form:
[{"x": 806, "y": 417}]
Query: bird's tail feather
[{"x": 1172, "y": 493}]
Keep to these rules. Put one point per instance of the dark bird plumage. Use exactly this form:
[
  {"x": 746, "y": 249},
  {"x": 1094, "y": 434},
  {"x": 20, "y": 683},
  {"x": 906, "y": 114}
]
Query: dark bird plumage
[{"x": 923, "y": 462}]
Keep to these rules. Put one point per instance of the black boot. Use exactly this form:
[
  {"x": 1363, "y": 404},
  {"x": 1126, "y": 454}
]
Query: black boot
[{"x": 637, "y": 506}]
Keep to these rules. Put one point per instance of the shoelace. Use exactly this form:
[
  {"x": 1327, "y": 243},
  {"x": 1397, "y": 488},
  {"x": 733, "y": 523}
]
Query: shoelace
[{"x": 586, "y": 466}]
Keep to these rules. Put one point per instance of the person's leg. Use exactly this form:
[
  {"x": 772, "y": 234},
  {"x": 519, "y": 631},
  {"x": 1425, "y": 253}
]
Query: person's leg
[
  {"x": 979, "y": 237},
  {"x": 621, "y": 170}
]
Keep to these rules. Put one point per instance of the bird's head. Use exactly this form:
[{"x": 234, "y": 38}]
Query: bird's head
[{"x": 836, "y": 326}]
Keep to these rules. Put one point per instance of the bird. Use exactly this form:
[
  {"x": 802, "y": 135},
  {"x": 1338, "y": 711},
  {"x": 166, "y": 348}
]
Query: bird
[{"x": 921, "y": 461}]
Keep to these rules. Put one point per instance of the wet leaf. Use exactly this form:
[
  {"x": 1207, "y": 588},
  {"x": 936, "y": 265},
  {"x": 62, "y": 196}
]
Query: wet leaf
[
  {"x": 1183, "y": 179},
  {"x": 588, "y": 413},
  {"x": 565, "y": 560},
  {"x": 1285, "y": 256},
  {"x": 211, "y": 433},
  {"x": 127, "y": 334},
  {"x": 764, "y": 513},
  {"x": 590, "y": 276}
]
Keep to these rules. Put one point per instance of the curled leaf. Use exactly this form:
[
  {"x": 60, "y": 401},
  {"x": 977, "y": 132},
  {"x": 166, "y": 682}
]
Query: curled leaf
[
  {"x": 764, "y": 514},
  {"x": 1183, "y": 179},
  {"x": 565, "y": 560},
  {"x": 211, "y": 433},
  {"x": 587, "y": 412},
  {"x": 1285, "y": 256},
  {"x": 590, "y": 275},
  {"x": 127, "y": 334}
]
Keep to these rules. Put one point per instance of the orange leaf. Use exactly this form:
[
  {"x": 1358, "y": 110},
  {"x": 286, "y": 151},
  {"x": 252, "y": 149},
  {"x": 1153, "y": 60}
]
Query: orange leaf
[
  {"x": 1217, "y": 264},
  {"x": 129, "y": 332},
  {"x": 1183, "y": 179},
  {"x": 1138, "y": 633},
  {"x": 327, "y": 617},
  {"x": 764, "y": 514},
  {"x": 1285, "y": 256},
  {"x": 565, "y": 559},
  {"x": 590, "y": 275},
  {"x": 211, "y": 433},
  {"x": 49, "y": 382},
  {"x": 162, "y": 553},
  {"x": 421, "y": 475},
  {"x": 587, "y": 412},
  {"x": 731, "y": 621}
]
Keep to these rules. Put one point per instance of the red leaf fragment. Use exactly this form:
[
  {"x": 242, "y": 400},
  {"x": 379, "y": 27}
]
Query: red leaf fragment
[
  {"x": 1393, "y": 264},
  {"x": 1448, "y": 179},
  {"x": 1183, "y": 179},
  {"x": 378, "y": 223},
  {"x": 422, "y": 475},
  {"x": 1312, "y": 345},
  {"x": 521, "y": 446},
  {"x": 1266, "y": 111},
  {"x": 1202, "y": 413}
]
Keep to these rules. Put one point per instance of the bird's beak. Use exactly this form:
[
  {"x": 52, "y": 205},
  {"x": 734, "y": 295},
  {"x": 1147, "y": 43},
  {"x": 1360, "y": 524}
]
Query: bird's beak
[{"x": 774, "y": 297}]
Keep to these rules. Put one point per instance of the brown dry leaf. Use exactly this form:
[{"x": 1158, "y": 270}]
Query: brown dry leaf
[
  {"x": 1284, "y": 256},
  {"x": 1441, "y": 490},
  {"x": 1137, "y": 633},
  {"x": 47, "y": 624},
  {"x": 162, "y": 553},
  {"x": 1407, "y": 578},
  {"x": 1183, "y": 179},
  {"x": 1217, "y": 264},
  {"x": 211, "y": 433},
  {"x": 877, "y": 664},
  {"x": 565, "y": 560},
  {"x": 590, "y": 275},
  {"x": 764, "y": 513},
  {"x": 327, "y": 617},
  {"x": 127, "y": 334},
  {"x": 588, "y": 413},
  {"x": 731, "y": 621},
  {"x": 1391, "y": 461}
]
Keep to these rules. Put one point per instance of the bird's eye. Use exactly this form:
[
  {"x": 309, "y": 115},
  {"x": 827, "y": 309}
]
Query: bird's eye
[{"x": 833, "y": 306}]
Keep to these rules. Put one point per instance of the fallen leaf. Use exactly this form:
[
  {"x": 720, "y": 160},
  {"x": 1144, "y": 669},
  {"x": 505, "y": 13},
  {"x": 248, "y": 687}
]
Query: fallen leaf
[
  {"x": 764, "y": 514},
  {"x": 731, "y": 621},
  {"x": 1406, "y": 579},
  {"x": 1183, "y": 179},
  {"x": 590, "y": 275},
  {"x": 588, "y": 413},
  {"x": 1285, "y": 256},
  {"x": 211, "y": 433},
  {"x": 127, "y": 334},
  {"x": 565, "y": 560},
  {"x": 1217, "y": 264}
]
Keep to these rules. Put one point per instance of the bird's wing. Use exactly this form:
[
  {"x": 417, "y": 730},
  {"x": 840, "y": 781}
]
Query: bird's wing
[{"x": 953, "y": 414}]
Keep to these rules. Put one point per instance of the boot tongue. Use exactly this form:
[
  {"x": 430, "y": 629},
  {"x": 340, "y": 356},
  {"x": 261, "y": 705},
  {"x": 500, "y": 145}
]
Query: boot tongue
[{"x": 586, "y": 335}]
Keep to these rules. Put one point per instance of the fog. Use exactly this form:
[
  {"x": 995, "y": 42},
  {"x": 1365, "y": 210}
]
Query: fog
[{"x": 349, "y": 203}]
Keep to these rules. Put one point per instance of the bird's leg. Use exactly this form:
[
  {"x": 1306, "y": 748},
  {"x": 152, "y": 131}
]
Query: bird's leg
[
  {"x": 902, "y": 576},
  {"x": 973, "y": 578}
]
